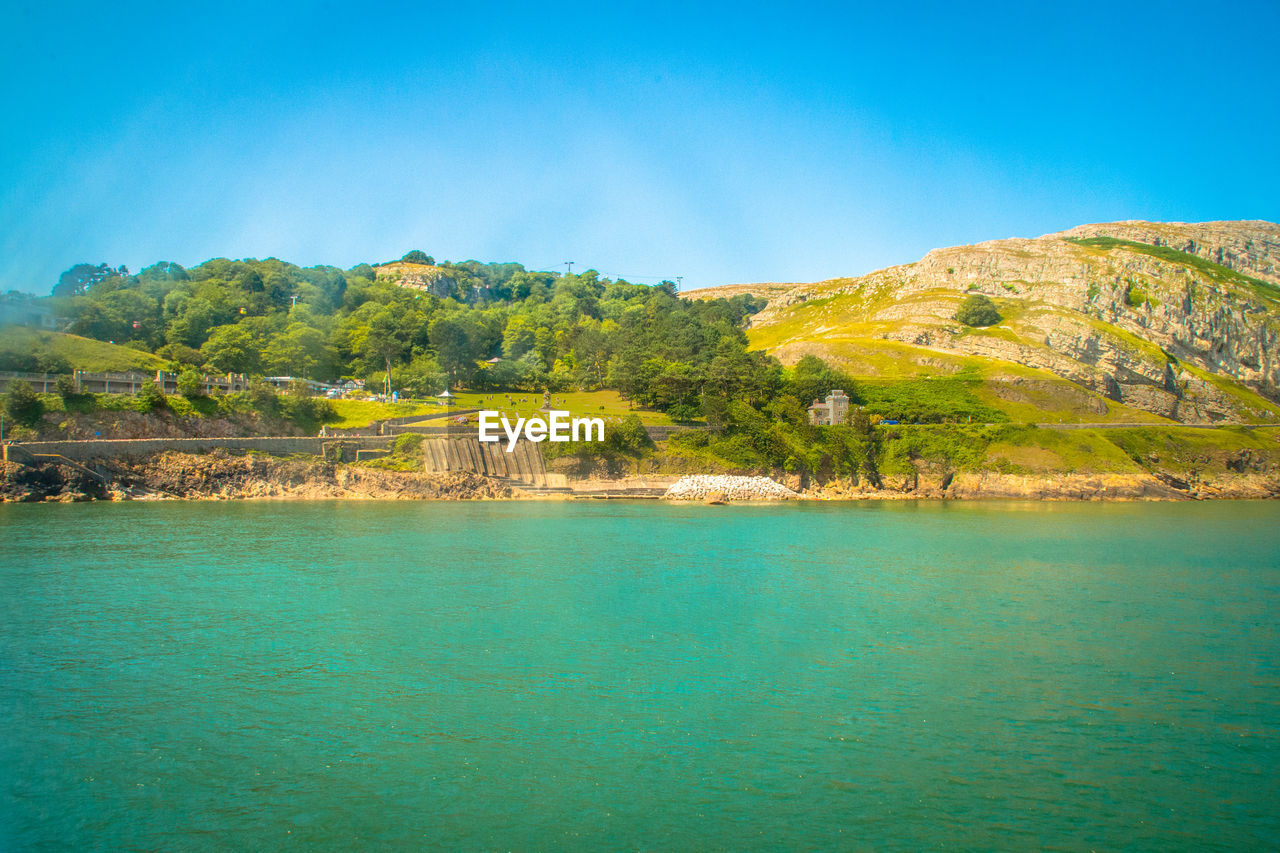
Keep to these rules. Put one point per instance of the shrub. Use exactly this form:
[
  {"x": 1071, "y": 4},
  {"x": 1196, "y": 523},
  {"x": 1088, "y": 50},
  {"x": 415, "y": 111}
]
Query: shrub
[
  {"x": 150, "y": 398},
  {"x": 307, "y": 413},
  {"x": 684, "y": 412},
  {"x": 1135, "y": 296},
  {"x": 693, "y": 438},
  {"x": 629, "y": 438},
  {"x": 65, "y": 386},
  {"x": 407, "y": 444},
  {"x": 978, "y": 310},
  {"x": 181, "y": 354},
  {"x": 190, "y": 384},
  {"x": 22, "y": 404},
  {"x": 264, "y": 400}
]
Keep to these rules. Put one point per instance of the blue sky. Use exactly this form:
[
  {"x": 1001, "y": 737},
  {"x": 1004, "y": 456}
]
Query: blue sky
[{"x": 721, "y": 143}]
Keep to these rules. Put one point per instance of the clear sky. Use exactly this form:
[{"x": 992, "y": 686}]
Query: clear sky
[{"x": 722, "y": 143}]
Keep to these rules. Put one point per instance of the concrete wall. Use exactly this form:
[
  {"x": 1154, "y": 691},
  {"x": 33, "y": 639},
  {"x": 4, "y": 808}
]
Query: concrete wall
[
  {"x": 123, "y": 382},
  {"x": 138, "y": 447},
  {"x": 523, "y": 464}
]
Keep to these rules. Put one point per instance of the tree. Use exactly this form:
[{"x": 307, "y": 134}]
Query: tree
[
  {"x": 231, "y": 349},
  {"x": 453, "y": 346},
  {"x": 297, "y": 352},
  {"x": 194, "y": 318},
  {"x": 519, "y": 337},
  {"x": 629, "y": 437},
  {"x": 978, "y": 310},
  {"x": 264, "y": 399},
  {"x": 150, "y": 398},
  {"x": 382, "y": 342},
  {"x": 22, "y": 404},
  {"x": 190, "y": 384},
  {"x": 181, "y": 354},
  {"x": 417, "y": 256},
  {"x": 77, "y": 280},
  {"x": 421, "y": 377},
  {"x": 813, "y": 379},
  {"x": 66, "y": 387}
]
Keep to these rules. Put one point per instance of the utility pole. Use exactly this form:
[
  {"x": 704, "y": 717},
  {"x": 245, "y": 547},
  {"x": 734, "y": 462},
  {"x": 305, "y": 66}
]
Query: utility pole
[{"x": 569, "y": 266}]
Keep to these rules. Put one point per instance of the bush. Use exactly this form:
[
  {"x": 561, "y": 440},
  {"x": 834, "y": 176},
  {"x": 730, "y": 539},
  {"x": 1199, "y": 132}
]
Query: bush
[
  {"x": 407, "y": 444},
  {"x": 65, "y": 386},
  {"x": 978, "y": 310},
  {"x": 190, "y": 384},
  {"x": 264, "y": 400},
  {"x": 181, "y": 354},
  {"x": 813, "y": 379},
  {"x": 306, "y": 412},
  {"x": 628, "y": 438},
  {"x": 150, "y": 398},
  {"x": 684, "y": 412},
  {"x": 22, "y": 404},
  {"x": 692, "y": 438}
]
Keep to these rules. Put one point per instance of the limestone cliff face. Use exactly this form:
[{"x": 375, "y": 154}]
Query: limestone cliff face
[
  {"x": 414, "y": 276},
  {"x": 1250, "y": 247},
  {"x": 1180, "y": 320}
]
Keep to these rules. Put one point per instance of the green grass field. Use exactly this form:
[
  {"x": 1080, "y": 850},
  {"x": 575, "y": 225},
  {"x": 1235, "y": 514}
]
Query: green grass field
[
  {"x": 602, "y": 404},
  {"x": 1175, "y": 449},
  {"x": 74, "y": 351},
  {"x": 354, "y": 414}
]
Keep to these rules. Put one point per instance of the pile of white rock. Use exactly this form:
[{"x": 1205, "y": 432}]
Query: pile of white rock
[{"x": 729, "y": 488}]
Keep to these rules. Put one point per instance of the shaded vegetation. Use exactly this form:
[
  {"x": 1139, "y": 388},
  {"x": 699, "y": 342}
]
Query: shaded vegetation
[{"x": 978, "y": 310}]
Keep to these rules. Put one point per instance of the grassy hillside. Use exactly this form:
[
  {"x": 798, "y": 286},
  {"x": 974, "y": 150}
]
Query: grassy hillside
[{"x": 27, "y": 349}]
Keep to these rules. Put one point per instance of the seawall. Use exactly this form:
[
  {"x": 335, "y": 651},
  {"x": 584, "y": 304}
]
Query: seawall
[{"x": 523, "y": 464}]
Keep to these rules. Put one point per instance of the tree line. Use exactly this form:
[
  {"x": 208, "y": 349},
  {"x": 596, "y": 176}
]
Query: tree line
[{"x": 491, "y": 327}]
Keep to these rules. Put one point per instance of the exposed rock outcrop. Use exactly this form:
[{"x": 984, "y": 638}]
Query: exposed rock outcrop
[
  {"x": 219, "y": 476},
  {"x": 1170, "y": 318}
]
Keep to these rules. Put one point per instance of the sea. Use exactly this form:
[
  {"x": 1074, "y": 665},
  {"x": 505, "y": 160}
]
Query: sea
[{"x": 356, "y": 675}]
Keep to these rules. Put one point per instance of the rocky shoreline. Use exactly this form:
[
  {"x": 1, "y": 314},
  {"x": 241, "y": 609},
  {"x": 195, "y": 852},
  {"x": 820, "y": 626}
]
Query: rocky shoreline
[
  {"x": 223, "y": 476},
  {"x": 1062, "y": 487}
]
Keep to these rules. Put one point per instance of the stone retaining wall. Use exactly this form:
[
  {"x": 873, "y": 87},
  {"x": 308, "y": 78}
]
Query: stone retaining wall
[{"x": 80, "y": 451}]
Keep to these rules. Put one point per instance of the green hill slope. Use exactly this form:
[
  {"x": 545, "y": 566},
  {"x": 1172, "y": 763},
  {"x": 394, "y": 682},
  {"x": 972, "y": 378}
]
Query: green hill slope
[{"x": 25, "y": 349}]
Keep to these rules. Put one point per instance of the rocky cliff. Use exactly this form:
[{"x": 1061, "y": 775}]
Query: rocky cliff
[
  {"x": 1179, "y": 320},
  {"x": 221, "y": 476},
  {"x": 427, "y": 278}
]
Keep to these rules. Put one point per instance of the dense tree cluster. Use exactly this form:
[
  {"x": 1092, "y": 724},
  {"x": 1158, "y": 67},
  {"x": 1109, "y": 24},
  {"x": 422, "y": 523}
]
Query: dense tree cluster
[{"x": 500, "y": 326}]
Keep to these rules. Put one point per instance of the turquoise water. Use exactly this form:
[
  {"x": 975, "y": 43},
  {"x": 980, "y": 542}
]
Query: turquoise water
[{"x": 615, "y": 675}]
